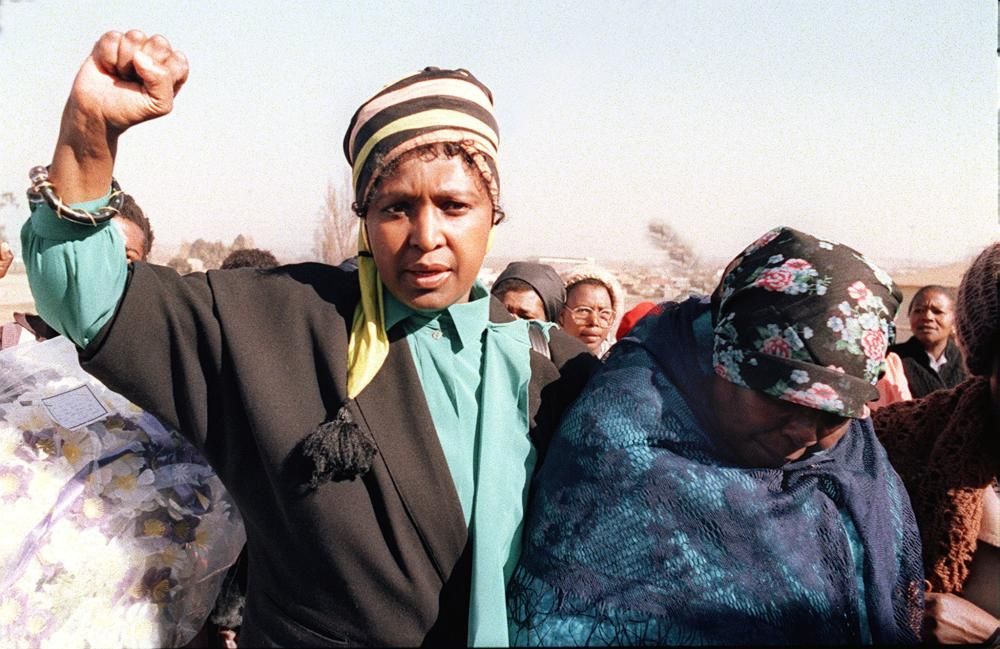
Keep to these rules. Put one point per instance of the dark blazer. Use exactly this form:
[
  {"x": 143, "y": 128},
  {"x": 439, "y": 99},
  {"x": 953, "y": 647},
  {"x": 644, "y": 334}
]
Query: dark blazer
[
  {"x": 247, "y": 363},
  {"x": 921, "y": 378}
]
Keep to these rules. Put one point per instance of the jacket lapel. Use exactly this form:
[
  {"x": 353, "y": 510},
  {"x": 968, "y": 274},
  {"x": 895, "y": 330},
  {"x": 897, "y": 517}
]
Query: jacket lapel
[{"x": 395, "y": 410}]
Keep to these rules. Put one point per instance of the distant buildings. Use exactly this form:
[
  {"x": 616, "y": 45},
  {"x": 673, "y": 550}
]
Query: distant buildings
[{"x": 675, "y": 277}]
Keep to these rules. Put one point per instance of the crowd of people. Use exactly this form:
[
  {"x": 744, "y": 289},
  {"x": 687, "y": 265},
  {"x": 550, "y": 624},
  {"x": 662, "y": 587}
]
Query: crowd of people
[{"x": 419, "y": 459}]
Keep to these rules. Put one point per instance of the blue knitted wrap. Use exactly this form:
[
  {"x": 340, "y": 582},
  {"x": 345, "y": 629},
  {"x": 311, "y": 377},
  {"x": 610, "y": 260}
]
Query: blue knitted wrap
[{"x": 638, "y": 533}]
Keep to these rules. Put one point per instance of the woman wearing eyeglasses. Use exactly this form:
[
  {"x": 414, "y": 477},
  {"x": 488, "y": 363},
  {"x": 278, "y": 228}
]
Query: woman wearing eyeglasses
[{"x": 594, "y": 303}]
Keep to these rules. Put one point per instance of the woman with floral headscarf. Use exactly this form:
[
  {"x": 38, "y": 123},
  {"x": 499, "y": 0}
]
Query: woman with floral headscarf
[
  {"x": 380, "y": 448},
  {"x": 718, "y": 480}
]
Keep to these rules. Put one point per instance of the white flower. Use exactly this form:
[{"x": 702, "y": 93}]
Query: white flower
[
  {"x": 853, "y": 328},
  {"x": 800, "y": 376},
  {"x": 776, "y": 259},
  {"x": 141, "y": 628},
  {"x": 10, "y": 440},
  {"x": 869, "y": 321},
  {"x": 807, "y": 332},
  {"x": 11, "y": 609},
  {"x": 874, "y": 302}
]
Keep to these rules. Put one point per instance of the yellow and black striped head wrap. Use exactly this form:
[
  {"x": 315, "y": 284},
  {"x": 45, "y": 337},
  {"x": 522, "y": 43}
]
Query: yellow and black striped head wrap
[{"x": 430, "y": 107}]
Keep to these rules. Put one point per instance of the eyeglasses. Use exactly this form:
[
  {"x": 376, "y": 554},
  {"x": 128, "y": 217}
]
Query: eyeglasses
[{"x": 584, "y": 314}]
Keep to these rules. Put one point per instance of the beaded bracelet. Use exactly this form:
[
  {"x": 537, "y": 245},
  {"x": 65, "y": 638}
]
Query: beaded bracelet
[{"x": 42, "y": 191}]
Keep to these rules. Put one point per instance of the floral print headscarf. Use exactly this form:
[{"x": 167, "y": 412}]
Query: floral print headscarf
[{"x": 805, "y": 320}]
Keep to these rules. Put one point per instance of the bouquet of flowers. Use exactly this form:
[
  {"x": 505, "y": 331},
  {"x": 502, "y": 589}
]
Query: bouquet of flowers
[{"x": 116, "y": 532}]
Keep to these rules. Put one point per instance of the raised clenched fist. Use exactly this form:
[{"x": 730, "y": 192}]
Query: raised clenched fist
[{"x": 127, "y": 79}]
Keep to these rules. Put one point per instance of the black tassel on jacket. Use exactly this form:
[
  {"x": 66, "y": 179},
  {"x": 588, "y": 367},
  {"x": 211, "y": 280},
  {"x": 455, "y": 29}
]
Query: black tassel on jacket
[{"x": 337, "y": 450}]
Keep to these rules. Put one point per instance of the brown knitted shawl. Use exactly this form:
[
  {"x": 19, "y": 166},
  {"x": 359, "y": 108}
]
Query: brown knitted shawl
[{"x": 945, "y": 452}]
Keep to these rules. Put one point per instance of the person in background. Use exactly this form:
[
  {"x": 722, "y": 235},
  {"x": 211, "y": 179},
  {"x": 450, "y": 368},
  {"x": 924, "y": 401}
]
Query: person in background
[
  {"x": 249, "y": 258},
  {"x": 718, "y": 480},
  {"x": 931, "y": 359},
  {"x": 530, "y": 291},
  {"x": 132, "y": 223},
  {"x": 136, "y": 230},
  {"x": 946, "y": 448},
  {"x": 137, "y": 236},
  {"x": 594, "y": 302},
  {"x": 380, "y": 449},
  {"x": 632, "y": 317}
]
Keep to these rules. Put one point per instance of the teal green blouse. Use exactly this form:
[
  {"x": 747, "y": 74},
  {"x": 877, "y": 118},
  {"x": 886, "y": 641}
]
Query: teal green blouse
[
  {"x": 474, "y": 374},
  {"x": 447, "y": 348},
  {"x": 76, "y": 272}
]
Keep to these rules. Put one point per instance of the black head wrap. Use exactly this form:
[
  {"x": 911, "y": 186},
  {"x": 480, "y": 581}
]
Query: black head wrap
[{"x": 544, "y": 279}]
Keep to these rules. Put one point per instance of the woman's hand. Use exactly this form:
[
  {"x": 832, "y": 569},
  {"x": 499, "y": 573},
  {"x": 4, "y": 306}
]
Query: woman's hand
[
  {"x": 949, "y": 619},
  {"x": 127, "y": 79}
]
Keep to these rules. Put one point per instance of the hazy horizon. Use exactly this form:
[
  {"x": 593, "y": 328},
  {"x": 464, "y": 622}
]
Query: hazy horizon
[{"x": 874, "y": 124}]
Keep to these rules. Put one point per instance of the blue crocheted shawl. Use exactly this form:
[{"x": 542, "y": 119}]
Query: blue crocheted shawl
[{"x": 639, "y": 533}]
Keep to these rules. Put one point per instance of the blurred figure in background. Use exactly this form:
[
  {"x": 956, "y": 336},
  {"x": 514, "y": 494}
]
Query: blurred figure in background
[
  {"x": 249, "y": 258},
  {"x": 137, "y": 234},
  {"x": 594, "y": 302},
  {"x": 135, "y": 229},
  {"x": 530, "y": 291},
  {"x": 931, "y": 359},
  {"x": 946, "y": 448},
  {"x": 632, "y": 317}
]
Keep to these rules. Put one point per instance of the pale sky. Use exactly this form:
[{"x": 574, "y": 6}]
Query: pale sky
[{"x": 873, "y": 123}]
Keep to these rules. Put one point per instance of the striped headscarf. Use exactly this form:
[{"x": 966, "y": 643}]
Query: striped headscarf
[{"x": 430, "y": 107}]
